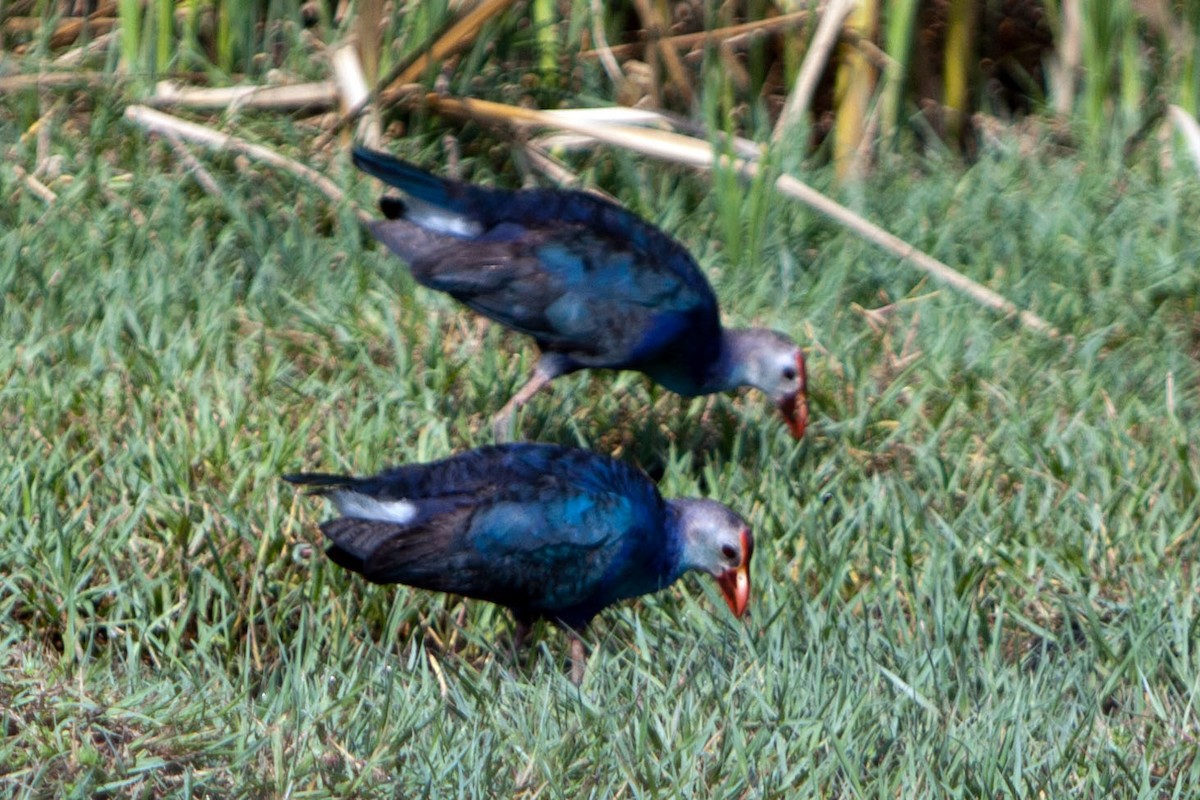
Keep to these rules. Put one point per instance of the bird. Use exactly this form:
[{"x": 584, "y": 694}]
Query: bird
[
  {"x": 548, "y": 531},
  {"x": 596, "y": 286}
]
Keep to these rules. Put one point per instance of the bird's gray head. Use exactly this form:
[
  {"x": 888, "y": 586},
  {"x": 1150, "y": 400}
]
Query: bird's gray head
[
  {"x": 717, "y": 541},
  {"x": 774, "y": 364}
]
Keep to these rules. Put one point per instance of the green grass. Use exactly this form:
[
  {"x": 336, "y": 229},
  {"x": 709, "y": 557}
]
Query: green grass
[{"x": 977, "y": 575}]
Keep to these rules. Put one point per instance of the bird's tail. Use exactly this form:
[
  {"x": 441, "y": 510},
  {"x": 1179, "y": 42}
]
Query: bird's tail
[
  {"x": 321, "y": 482},
  {"x": 407, "y": 177},
  {"x": 430, "y": 202},
  {"x": 354, "y": 542}
]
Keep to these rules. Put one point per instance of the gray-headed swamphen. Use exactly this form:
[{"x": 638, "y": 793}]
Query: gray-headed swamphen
[
  {"x": 595, "y": 285},
  {"x": 546, "y": 530}
]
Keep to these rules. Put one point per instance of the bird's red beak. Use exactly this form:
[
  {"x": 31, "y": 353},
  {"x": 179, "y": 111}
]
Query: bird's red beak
[
  {"x": 735, "y": 585},
  {"x": 794, "y": 407},
  {"x": 735, "y": 582}
]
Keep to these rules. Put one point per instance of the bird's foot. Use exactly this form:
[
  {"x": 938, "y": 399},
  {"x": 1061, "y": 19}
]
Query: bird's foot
[{"x": 547, "y": 369}]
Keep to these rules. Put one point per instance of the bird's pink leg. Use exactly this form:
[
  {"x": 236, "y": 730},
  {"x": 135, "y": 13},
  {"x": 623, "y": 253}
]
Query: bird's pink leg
[
  {"x": 502, "y": 423},
  {"x": 578, "y": 659}
]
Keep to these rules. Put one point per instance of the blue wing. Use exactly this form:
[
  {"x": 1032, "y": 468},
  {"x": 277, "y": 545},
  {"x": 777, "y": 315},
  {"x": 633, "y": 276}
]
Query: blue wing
[
  {"x": 580, "y": 274},
  {"x": 539, "y": 528}
]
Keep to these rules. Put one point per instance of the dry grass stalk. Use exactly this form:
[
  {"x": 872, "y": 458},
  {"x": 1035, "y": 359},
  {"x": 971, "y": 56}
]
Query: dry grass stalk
[
  {"x": 322, "y": 94},
  {"x": 1070, "y": 53},
  {"x": 352, "y": 91},
  {"x": 730, "y": 34},
  {"x": 52, "y": 80},
  {"x": 398, "y": 85},
  {"x": 812, "y": 67},
  {"x": 39, "y": 130},
  {"x": 459, "y": 36},
  {"x": 39, "y": 189},
  {"x": 369, "y": 26},
  {"x": 682, "y": 149},
  {"x": 662, "y": 144},
  {"x": 792, "y": 187},
  {"x": 1186, "y": 124},
  {"x": 165, "y": 124},
  {"x": 655, "y": 28},
  {"x": 733, "y": 67},
  {"x": 548, "y": 165},
  {"x": 869, "y": 50},
  {"x": 67, "y": 29},
  {"x": 603, "y": 51},
  {"x": 199, "y": 172},
  {"x": 77, "y": 55}
]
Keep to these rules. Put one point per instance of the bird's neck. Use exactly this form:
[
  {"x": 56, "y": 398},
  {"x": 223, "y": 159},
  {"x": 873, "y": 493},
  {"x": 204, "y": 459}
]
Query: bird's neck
[
  {"x": 728, "y": 370},
  {"x": 677, "y": 555},
  {"x": 707, "y": 368}
]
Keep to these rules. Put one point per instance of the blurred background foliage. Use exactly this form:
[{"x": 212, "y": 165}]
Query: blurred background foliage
[{"x": 938, "y": 71}]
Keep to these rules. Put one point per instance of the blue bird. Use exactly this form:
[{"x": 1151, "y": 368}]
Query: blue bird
[
  {"x": 547, "y": 531},
  {"x": 595, "y": 286}
]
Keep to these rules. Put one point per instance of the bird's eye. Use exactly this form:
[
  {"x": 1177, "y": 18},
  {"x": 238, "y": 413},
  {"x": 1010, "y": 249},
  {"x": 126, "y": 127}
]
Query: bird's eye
[
  {"x": 729, "y": 552},
  {"x": 789, "y": 373}
]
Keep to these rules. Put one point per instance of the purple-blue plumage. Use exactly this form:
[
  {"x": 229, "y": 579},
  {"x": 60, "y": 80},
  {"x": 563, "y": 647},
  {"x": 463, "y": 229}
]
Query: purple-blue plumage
[
  {"x": 547, "y": 531},
  {"x": 592, "y": 283}
]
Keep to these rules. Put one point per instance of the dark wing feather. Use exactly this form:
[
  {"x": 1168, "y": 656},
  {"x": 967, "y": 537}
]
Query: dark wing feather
[
  {"x": 657, "y": 253},
  {"x": 579, "y": 273},
  {"x": 385, "y": 552},
  {"x": 539, "y": 528},
  {"x": 573, "y": 290}
]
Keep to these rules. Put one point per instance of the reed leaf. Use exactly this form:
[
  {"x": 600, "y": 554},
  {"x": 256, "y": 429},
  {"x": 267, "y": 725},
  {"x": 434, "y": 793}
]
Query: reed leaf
[
  {"x": 165, "y": 35},
  {"x": 544, "y": 15},
  {"x": 129, "y": 12},
  {"x": 957, "y": 64},
  {"x": 855, "y": 85},
  {"x": 900, "y": 22}
]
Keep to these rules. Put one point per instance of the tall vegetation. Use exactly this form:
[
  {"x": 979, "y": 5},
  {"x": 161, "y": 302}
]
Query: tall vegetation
[{"x": 1107, "y": 65}]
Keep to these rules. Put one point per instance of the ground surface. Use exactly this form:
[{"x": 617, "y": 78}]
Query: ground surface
[{"x": 976, "y": 576}]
